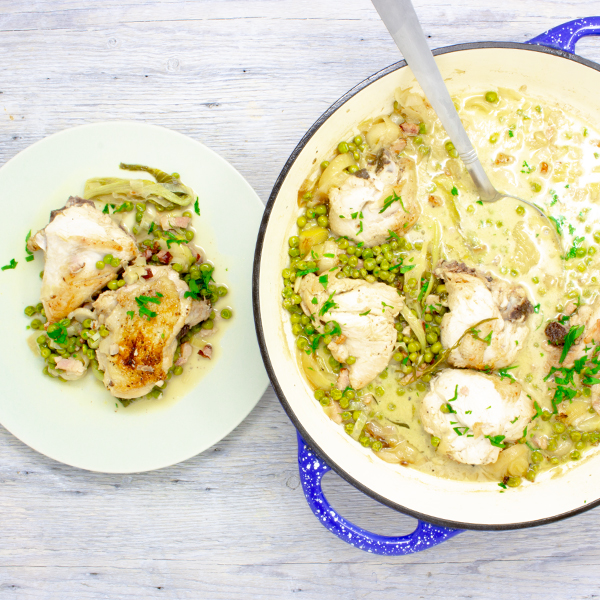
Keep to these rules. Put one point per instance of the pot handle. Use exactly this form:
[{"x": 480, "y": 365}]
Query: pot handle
[
  {"x": 565, "y": 36},
  {"x": 312, "y": 469}
]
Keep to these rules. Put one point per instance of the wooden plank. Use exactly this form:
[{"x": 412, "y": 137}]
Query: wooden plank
[{"x": 247, "y": 78}]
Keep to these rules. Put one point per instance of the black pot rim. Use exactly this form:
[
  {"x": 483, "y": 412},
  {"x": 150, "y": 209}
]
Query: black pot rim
[{"x": 256, "y": 299}]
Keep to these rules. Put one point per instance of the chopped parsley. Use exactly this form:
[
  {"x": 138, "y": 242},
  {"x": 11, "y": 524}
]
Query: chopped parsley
[
  {"x": 329, "y": 255},
  {"x": 554, "y": 197},
  {"x": 503, "y": 486},
  {"x": 314, "y": 300},
  {"x": 480, "y": 202},
  {"x": 365, "y": 313},
  {"x": 197, "y": 206},
  {"x": 390, "y": 200},
  {"x": 392, "y": 235},
  {"x": 455, "y": 394},
  {"x": 574, "y": 333},
  {"x": 572, "y": 251},
  {"x": 510, "y": 133},
  {"x": 151, "y": 229},
  {"x": 58, "y": 332},
  {"x": 199, "y": 288},
  {"x": 105, "y": 209},
  {"x": 360, "y": 229},
  {"x": 496, "y": 440},
  {"x": 536, "y": 309},
  {"x": 504, "y": 373},
  {"x": 406, "y": 268},
  {"x": 384, "y": 305},
  {"x": 171, "y": 239},
  {"x": 558, "y": 223},
  {"x": 29, "y": 253},
  {"x": 538, "y": 410},
  {"x": 306, "y": 271},
  {"x": 131, "y": 314},
  {"x": 526, "y": 168},
  {"x": 11, "y": 265},
  {"x": 327, "y": 305},
  {"x": 143, "y": 301},
  {"x": 460, "y": 430},
  {"x": 324, "y": 280}
]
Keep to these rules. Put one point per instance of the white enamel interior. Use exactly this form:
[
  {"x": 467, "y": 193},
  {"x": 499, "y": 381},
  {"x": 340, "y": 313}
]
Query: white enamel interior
[{"x": 549, "y": 77}]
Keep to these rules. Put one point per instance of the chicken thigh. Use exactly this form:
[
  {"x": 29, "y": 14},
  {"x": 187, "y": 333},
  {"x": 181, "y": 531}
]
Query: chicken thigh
[
  {"x": 473, "y": 297},
  {"x": 373, "y": 202},
  {"x": 77, "y": 237},
  {"x": 144, "y": 320},
  {"x": 468, "y": 410},
  {"x": 365, "y": 313}
]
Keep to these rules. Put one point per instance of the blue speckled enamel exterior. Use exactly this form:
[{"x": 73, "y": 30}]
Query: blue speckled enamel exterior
[
  {"x": 312, "y": 468},
  {"x": 565, "y": 36}
]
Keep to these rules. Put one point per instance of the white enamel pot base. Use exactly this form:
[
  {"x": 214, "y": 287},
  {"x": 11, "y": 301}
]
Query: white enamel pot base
[{"x": 553, "y": 75}]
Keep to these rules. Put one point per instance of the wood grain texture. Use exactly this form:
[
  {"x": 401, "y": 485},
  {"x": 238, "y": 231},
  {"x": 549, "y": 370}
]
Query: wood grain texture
[{"x": 246, "y": 77}]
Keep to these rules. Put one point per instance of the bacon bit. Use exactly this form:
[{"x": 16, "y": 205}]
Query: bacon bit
[
  {"x": 147, "y": 254},
  {"x": 70, "y": 365},
  {"x": 435, "y": 201},
  {"x": 186, "y": 352},
  {"x": 343, "y": 379},
  {"x": 340, "y": 339},
  {"x": 196, "y": 254},
  {"x": 170, "y": 222},
  {"x": 398, "y": 145},
  {"x": 148, "y": 274},
  {"x": 206, "y": 351},
  {"x": 164, "y": 257},
  {"x": 543, "y": 168},
  {"x": 504, "y": 159},
  {"x": 410, "y": 128}
]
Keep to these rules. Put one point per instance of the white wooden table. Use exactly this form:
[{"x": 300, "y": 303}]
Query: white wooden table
[{"x": 246, "y": 77}]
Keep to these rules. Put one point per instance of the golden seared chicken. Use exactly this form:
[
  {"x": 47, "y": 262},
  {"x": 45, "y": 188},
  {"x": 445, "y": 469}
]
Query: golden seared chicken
[
  {"x": 143, "y": 320},
  {"x": 474, "y": 414},
  {"x": 473, "y": 297},
  {"x": 365, "y": 313},
  {"x": 375, "y": 201},
  {"x": 77, "y": 237}
]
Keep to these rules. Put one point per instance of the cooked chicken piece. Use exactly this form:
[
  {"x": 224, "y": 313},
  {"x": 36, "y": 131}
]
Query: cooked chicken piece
[
  {"x": 483, "y": 407},
  {"x": 70, "y": 368},
  {"x": 139, "y": 350},
  {"x": 77, "y": 237},
  {"x": 376, "y": 201},
  {"x": 473, "y": 297},
  {"x": 589, "y": 316},
  {"x": 365, "y": 313}
]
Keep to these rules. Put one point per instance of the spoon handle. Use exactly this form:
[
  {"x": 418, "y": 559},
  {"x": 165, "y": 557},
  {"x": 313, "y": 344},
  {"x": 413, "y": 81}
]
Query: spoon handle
[{"x": 401, "y": 20}]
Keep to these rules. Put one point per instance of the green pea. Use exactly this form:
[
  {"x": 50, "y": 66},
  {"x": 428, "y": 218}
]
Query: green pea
[
  {"x": 140, "y": 206},
  {"x": 36, "y": 324},
  {"x": 108, "y": 258},
  {"x": 535, "y": 187},
  {"x": 513, "y": 482},
  {"x": 494, "y": 138},
  {"x": 208, "y": 324},
  {"x": 343, "y": 147},
  {"x": 435, "y": 441},
  {"x": 350, "y": 360},
  {"x": 113, "y": 285},
  {"x": 350, "y": 394},
  {"x": 178, "y": 370},
  {"x": 575, "y": 455},
  {"x": 336, "y": 394},
  {"x": 177, "y": 267},
  {"x": 537, "y": 457},
  {"x": 104, "y": 332},
  {"x": 324, "y": 164},
  {"x": 301, "y": 221},
  {"x": 100, "y": 265},
  {"x": 301, "y": 343},
  {"x": 30, "y": 311},
  {"x": 520, "y": 210},
  {"x": 349, "y": 428},
  {"x": 226, "y": 313},
  {"x": 428, "y": 357},
  {"x": 491, "y": 97},
  {"x": 432, "y": 338},
  {"x": 115, "y": 262},
  {"x": 558, "y": 427},
  {"x": 436, "y": 348},
  {"x": 575, "y": 436},
  {"x": 358, "y": 140},
  {"x": 352, "y": 169}
]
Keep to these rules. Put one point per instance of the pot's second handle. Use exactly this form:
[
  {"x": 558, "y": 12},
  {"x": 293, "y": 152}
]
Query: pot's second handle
[
  {"x": 565, "y": 36},
  {"x": 312, "y": 469}
]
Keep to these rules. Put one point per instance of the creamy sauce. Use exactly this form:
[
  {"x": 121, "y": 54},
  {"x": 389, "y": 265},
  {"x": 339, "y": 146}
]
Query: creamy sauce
[
  {"x": 532, "y": 150},
  {"x": 197, "y": 367}
]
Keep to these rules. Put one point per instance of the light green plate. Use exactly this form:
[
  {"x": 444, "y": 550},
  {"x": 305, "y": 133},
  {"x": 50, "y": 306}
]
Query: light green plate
[{"x": 78, "y": 423}]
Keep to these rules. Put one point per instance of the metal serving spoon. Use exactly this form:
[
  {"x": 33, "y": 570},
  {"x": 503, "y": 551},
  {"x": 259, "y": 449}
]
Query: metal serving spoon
[{"x": 401, "y": 20}]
